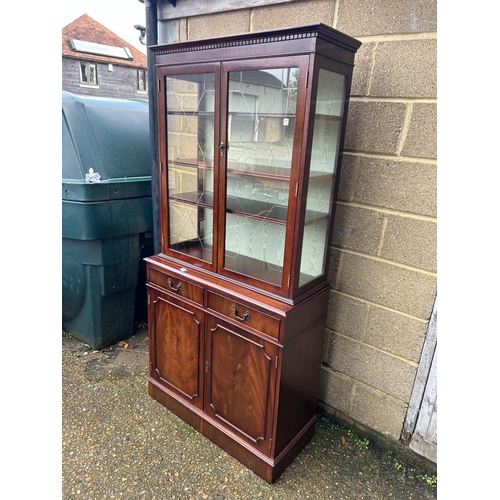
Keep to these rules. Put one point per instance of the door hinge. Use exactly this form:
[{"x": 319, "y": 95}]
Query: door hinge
[
  {"x": 159, "y": 85},
  {"x": 289, "y": 279},
  {"x": 206, "y": 366},
  {"x": 276, "y": 361},
  {"x": 307, "y": 79},
  {"x": 297, "y": 189},
  {"x": 162, "y": 239},
  {"x": 161, "y": 167},
  {"x": 270, "y": 443},
  {"x": 149, "y": 299}
]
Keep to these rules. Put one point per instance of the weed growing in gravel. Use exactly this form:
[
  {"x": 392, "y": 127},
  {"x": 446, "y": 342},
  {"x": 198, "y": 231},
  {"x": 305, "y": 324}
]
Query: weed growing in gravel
[
  {"x": 361, "y": 443},
  {"x": 409, "y": 471},
  {"x": 68, "y": 335},
  {"x": 430, "y": 480}
]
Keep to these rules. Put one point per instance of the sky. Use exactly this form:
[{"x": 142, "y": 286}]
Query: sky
[{"x": 118, "y": 16}]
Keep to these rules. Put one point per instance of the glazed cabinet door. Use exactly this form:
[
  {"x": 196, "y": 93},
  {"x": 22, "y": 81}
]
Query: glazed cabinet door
[
  {"x": 188, "y": 128},
  {"x": 262, "y": 128},
  {"x": 241, "y": 371},
  {"x": 176, "y": 332}
]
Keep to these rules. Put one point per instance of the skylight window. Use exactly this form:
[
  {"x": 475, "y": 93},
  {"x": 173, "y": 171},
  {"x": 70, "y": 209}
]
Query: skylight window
[{"x": 99, "y": 49}]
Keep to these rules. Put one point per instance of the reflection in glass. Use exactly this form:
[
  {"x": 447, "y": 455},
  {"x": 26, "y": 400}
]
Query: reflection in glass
[
  {"x": 190, "y": 149},
  {"x": 326, "y": 134},
  {"x": 261, "y": 125}
]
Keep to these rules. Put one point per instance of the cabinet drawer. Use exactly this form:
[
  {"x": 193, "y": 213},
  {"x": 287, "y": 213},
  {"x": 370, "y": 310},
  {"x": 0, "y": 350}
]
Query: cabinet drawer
[
  {"x": 245, "y": 315},
  {"x": 177, "y": 286}
]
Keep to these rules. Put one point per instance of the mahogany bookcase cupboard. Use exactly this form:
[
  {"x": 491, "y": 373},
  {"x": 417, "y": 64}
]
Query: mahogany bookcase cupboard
[{"x": 250, "y": 132}]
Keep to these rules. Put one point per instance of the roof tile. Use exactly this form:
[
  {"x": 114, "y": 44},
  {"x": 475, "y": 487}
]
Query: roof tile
[{"x": 87, "y": 29}]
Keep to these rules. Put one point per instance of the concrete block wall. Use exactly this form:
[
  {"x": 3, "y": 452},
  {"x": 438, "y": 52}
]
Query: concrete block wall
[
  {"x": 384, "y": 270},
  {"x": 383, "y": 249}
]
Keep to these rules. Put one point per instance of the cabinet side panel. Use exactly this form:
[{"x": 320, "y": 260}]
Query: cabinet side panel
[
  {"x": 300, "y": 370},
  {"x": 305, "y": 314}
]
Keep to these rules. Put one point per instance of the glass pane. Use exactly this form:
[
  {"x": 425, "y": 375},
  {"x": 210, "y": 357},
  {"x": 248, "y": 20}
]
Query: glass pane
[
  {"x": 83, "y": 68},
  {"x": 326, "y": 133},
  {"x": 255, "y": 247},
  {"x": 261, "y": 125},
  {"x": 190, "y": 153}
]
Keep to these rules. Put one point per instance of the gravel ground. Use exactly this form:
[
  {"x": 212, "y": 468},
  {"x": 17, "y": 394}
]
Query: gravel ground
[{"x": 119, "y": 443}]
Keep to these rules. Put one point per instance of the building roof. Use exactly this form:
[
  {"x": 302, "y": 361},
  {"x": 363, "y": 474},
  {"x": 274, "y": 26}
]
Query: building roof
[{"x": 85, "y": 38}]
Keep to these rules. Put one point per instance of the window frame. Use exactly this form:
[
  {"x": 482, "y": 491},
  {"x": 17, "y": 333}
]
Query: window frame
[
  {"x": 145, "y": 73},
  {"x": 88, "y": 64}
]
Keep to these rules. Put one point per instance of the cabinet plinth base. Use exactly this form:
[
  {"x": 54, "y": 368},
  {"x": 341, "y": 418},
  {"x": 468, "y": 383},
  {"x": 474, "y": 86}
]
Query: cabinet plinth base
[{"x": 266, "y": 467}]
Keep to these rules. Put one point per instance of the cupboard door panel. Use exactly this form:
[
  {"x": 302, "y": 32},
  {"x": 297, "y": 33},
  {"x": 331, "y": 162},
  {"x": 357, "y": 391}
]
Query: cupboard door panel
[
  {"x": 241, "y": 382},
  {"x": 177, "y": 356}
]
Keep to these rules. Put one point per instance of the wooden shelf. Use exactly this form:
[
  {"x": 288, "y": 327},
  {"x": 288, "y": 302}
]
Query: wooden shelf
[
  {"x": 256, "y": 209},
  {"x": 190, "y": 113},
  {"x": 260, "y": 171},
  {"x": 239, "y": 168},
  {"x": 253, "y": 267},
  {"x": 198, "y": 198},
  {"x": 194, "y": 248},
  {"x": 262, "y": 115},
  {"x": 245, "y": 207},
  {"x": 334, "y": 118},
  {"x": 192, "y": 163},
  {"x": 236, "y": 262}
]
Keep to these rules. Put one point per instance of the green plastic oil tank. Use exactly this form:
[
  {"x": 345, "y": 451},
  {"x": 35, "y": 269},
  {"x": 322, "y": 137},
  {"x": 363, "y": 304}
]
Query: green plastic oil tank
[{"x": 106, "y": 216}]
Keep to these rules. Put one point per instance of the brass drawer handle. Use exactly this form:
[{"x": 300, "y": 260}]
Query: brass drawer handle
[
  {"x": 245, "y": 316},
  {"x": 177, "y": 288}
]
